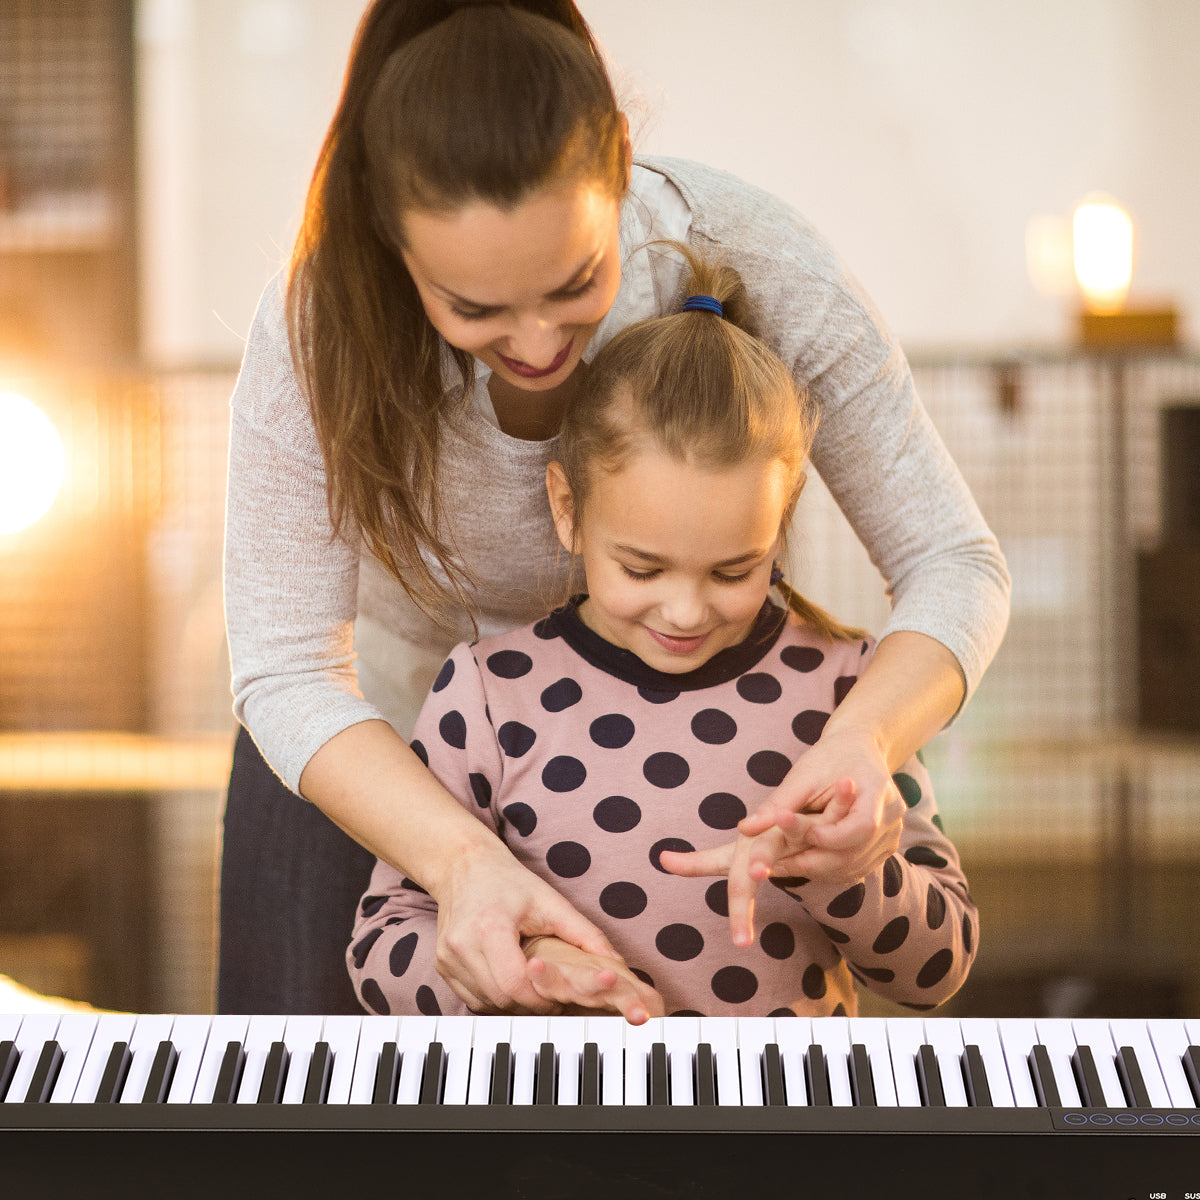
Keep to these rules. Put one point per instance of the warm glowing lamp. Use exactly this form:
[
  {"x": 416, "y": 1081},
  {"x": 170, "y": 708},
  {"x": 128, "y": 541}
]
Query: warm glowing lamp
[
  {"x": 32, "y": 463},
  {"x": 1103, "y": 242}
]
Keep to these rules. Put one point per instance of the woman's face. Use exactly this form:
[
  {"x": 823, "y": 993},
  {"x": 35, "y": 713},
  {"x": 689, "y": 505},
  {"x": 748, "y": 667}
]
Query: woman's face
[{"x": 522, "y": 289}]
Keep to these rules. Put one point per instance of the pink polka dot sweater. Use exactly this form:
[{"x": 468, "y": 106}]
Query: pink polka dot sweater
[{"x": 589, "y": 763}]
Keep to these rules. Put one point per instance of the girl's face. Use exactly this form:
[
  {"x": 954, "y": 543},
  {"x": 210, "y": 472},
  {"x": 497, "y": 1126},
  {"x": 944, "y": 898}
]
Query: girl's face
[
  {"x": 521, "y": 289},
  {"x": 678, "y": 556}
]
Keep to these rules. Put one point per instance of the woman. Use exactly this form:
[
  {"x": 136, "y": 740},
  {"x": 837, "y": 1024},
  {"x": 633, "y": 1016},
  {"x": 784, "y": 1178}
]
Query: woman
[{"x": 475, "y": 231}]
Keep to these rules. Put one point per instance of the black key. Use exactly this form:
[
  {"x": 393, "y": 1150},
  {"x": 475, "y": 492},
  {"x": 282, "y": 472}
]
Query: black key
[
  {"x": 230, "y": 1074},
  {"x": 705, "y": 1090},
  {"x": 929, "y": 1078},
  {"x": 45, "y": 1073},
  {"x": 1091, "y": 1090},
  {"x": 816, "y": 1076},
  {"x": 434, "y": 1077},
  {"x": 543, "y": 1074},
  {"x": 1130, "y": 1073},
  {"x": 502, "y": 1075},
  {"x": 1043, "y": 1078},
  {"x": 162, "y": 1071},
  {"x": 659, "y": 1082},
  {"x": 862, "y": 1081},
  {"x": 1191, "y": 1068},
  {"x": 772, "y": 1075},
  {"x": 979, "y": 1092},
  {"x": 387, "y": 1074},
  {"x": 270, "y": 1090},
  {"x": 589, "y": 1076},
  {"x": 9, "y": 1057},
  {"x": 115, "y": 1070},
  {"x": 320, "y": 1069}
]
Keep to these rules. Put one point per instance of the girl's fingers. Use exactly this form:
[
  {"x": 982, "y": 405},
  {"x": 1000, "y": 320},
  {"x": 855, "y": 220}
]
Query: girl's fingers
[
  {"x": 566, "y": 922},
  {"x": 694, "y": 863}
]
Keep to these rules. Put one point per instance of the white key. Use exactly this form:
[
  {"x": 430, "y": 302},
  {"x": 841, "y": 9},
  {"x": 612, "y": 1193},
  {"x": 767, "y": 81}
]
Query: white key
[
  {"x": 149, "y": 1032},
  {"x": 455, "y": 1033},
  {"x": 832, "y": 1034},
  {"x": 1170, "y": 1041},
  {"x": 871, "y": 1032},
  {"x": 111, "y": 1029},
  {"x": 905, "y": 1037},
  {"x": 75, "y": 1032},
  {"x": 794, "y": 1036},
  {"x": 943, "y": 1034},
  {"x": 753, "y": 1034},
  {"x": 1018, "y": 1036},
  {"x": 1094, "y": 1033},
  {"x": 225, "y": 1029},
  {"x": 528, "y": 1034},
  {"x": 681, "y": 1036},
  {"x": 1193, "y": 1031},
  {"x": 1132, "y": 1032},
  {"x": 35, "y": 1031},
  {"x": 263, "y": 1030},
  {"x": 638, "y": 1040},
  {"x": 342, "y": 1032},
  {"x": 189, "y": 1036},
  {"x": 373, "y": 1032},
  {"x": 608, "y": 1033},
  {"x": 982, "y": 1032},
  {"x": 721, "y": 1034},
  {"x": 416, "y": 1035},
  {"x": 9, "y": 1024},
  {"x": 301, "y": 1033},
  {"x": 1059, "y": 1039},
  {"x": 490, "y": 1032},
  {"x": 567, "y": 1034}
]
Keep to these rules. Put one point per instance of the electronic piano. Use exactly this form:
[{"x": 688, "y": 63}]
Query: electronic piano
[{"x": 931, "y": 1108}]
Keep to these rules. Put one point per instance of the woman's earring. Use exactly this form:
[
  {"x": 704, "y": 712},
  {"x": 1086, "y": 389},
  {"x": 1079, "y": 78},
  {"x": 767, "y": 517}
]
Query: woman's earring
[{"x": 776, "y": 573}]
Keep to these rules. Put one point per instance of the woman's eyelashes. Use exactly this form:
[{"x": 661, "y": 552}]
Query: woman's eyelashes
[
  {"x": 654, "y": 572},
  {"x": 483, "y": 314}
]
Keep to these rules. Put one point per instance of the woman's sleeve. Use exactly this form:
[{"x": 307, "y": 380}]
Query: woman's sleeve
[
  {"x": 290, "y": 584},
  {"x": 392, "y": 956}
]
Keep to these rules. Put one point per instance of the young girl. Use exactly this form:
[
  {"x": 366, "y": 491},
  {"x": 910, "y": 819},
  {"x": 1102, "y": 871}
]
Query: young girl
[{"x": 651, "y": 714}]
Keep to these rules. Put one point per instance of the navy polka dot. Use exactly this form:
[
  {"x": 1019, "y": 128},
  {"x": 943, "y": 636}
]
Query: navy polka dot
[
  {"x": 839, "y": 1010},
  {"x": 363, "y": 948},
  {"x": 453, "y": 728},
  {"x": 616, "y": 814},
  {"x": 395, "y": 921},
  {"x": 734, "y": 985},
  {"x": 778, "y": 940},
  {"x": 515, "y": 739},
  {"x": 721, "y": 810},
  {"x": 667, "y": 844},
  {"x": 509, "y": 664},
  {"x": 968, "y": 933},
  {"x": 768, "y": 767},
  {"x": 781, "y": 1012},
  {"x": 561, "y": 695},
  {"x": 657, "y": 695},
  {"x": 679, "y": 943},
  {"x": 892, "y": 936},
  {"x": 568, "y": 860},
  {"x": 521, "y": 817},
  {"x": 759, "y": 688},
  {"x": 874, "y": 974},
  {"x": 838, "y": 936},
  {"x": 545, "y": 630},
  {"x": 623, "y": 900},
  {"x": 935, "y": 907},
  {"x": 813, "y": 983},
  {"x": 563, "y": 773},
  {"x": 934, "y": 971},
  {"x": 714, "y": 727},
  {"x": 923, "y": 856},
  {"x": 842, "y": 686},
  {"x": 893, "y": 877},
  {"x": 418, "y": 748},
  {"x": 611, "y": 731},
  {"x": 372, "y": 904},
  {"x": 481, "y": 789},
  {"x": 686, "y": 1012},
  {"x": 374, "y": 998},
  {"x": 809, "y": 725},
  {"x": 784, "y": 882},
  {"x": 936, "y": 822},
  {"x": 444, "y": 675},
  {"x": 642, "y": 975},
  {"x": 848, "y": 902},
  {"x": 412, "y": 885},
  {"x": 401, "y": 954},
  {"x": 666, "y": 770},
  {"x": 427, "y": 1001},
  {"x": 717, "y": 897},
  {"x": 909, "y": 788},
  {"x": 801, "y": 658}
]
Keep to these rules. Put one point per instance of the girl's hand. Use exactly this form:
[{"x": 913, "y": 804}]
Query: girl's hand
[
  {"x": 835, "y": 818},
  {"x": 575, "y": 981}
]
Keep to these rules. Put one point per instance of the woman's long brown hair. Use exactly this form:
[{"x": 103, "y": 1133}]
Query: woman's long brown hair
[{"x": 443, "y": 103}]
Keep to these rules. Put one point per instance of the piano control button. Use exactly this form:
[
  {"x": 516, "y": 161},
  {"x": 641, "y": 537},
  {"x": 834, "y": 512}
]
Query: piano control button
[
  {"x": 270, "y": 1089},
  {"x": 1042, "y": 1072},
  {"x": 233, "y": 1062},
  {"x": 502, "y": 1075},
  {"x": 659, "y": 1078},
  {"x": 929, "y": 1077},
  {"x": 1136, "y": 1093},
  {"x": 589, "y": 1074},
  {"x": 9, "y": 1055},
  {"x": 816, "y": 1077},
  {"x": 387, "y": 1074},
  {"x": 434, "y": 1077},
  {"x": 1191, "y": 1068},
  {"x": 45, "y": 1073},
  {"x": 772, "y": 1072},
  {"x": 705, "y": 1082},
  {"x": 1091, "y": 1090},
  {"x": 162, "y": 1071},
  {"x": 862, "y": 1080},
  {"x": 544, "y": 1070},
  {"x": 979, "y": 1093},
  {"x": 115, "y": 1070},
  {"x": 320, "y": 1068}
]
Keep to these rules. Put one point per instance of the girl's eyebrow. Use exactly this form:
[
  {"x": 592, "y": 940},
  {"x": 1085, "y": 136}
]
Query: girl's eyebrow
[
  {"x": 575, "y": 280},
  {"x": 657, "y": 559}
]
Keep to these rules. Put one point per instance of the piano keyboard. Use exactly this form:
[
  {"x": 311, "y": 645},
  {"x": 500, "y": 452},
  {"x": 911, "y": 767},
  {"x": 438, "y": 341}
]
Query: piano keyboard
[{"x": 537, "y": 1086}]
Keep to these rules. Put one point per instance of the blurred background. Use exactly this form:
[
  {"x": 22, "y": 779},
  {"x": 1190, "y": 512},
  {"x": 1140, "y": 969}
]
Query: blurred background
[{"x": 975, "y": 165}]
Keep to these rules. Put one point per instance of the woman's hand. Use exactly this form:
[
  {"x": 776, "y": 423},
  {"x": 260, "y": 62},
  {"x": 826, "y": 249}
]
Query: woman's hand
[
  {"x": 575, "y": 981},
  {"x": 835, "y": 818}
]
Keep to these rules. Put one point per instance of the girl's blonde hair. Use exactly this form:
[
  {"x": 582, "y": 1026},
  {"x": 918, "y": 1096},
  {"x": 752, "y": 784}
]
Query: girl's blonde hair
[{"x": 704, "y": 389}]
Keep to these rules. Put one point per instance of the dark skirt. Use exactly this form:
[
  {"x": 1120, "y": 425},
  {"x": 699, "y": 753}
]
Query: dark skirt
[{"x": 291, "y": 881}]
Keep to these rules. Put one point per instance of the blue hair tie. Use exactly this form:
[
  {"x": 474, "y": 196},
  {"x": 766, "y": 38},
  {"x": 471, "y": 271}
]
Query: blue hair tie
[{"x": 704, "y": 304}]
